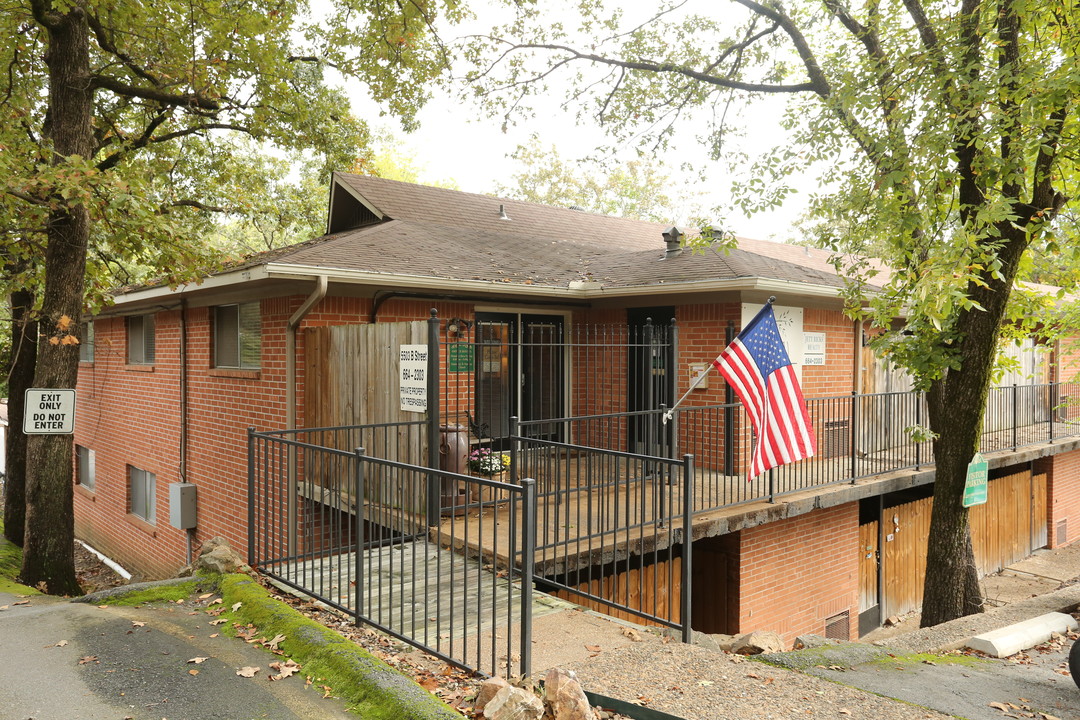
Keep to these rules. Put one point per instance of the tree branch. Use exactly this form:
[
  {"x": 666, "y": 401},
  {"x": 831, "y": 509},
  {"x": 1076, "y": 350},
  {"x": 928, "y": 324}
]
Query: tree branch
[
  {"x": 192, "y": 100},
  {"x": 106, "y": 44}
]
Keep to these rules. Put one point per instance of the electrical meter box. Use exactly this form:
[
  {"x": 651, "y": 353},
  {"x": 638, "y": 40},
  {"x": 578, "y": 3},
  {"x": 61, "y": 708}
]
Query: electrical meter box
[{"x": 182, "y": 505}]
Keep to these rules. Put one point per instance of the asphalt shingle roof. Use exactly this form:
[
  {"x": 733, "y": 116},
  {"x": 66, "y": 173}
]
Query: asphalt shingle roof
[{"x": 452, "y": 235}]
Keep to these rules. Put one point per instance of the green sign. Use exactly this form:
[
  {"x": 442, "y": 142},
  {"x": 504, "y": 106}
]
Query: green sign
[
  {"x": 461, "y": 357},
  {"x": 975, "y": 486}
]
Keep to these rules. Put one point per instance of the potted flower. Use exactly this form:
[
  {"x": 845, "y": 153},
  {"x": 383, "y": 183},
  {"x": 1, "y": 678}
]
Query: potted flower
[{"x": 485, "y": 461}]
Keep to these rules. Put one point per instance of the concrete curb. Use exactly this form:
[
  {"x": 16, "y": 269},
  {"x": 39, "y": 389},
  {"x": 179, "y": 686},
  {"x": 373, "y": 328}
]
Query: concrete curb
[
  {"x": 1022, "y": 635},
  {"x": 375, "y": 690}
]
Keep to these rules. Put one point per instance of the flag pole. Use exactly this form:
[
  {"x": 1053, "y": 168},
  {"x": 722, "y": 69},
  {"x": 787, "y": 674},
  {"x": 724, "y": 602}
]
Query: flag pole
[{"x": 697, "y": 381}]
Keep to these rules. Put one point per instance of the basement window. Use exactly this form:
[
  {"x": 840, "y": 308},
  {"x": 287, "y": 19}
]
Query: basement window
[
  {"x": 140, "y": 340},
  {"x": 85, "y": 467},
  {"x": 142, "y": 485},
  {"x": 238, "y": 336}
]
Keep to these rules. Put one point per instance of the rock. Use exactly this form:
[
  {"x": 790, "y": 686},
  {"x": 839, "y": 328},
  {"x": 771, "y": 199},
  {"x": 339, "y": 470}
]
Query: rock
[
  {"x": 891, "y": 621},
  {"x": 487, "y": 691},
  {"x": 511, "y": 703},
  {"x": 812, "y": 641},
  {"x": 216, "y": 556},
  {"x": 565, "y": 698},
  {"x": 757, "y": 642},
  {"x": 696, "y": 638},
  {"x": 724, "y": 642}
]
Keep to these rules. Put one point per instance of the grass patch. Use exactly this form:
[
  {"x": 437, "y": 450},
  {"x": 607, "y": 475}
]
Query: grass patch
[
  {"x": 156, "y": 594},
  {"x": 370, "y": 687},
  {"x": 932, "y": 658},
  {"x": 10, "y": 566}
]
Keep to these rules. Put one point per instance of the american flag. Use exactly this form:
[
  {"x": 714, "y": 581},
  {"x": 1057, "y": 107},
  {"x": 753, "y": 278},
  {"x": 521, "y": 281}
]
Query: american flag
[{"x": 757, "y": 366}]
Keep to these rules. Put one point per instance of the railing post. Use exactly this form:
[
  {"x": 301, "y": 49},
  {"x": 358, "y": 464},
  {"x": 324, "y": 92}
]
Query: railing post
[
  {"x": 854, "y": 433},
  {"x": 729, "y": 411},
  {"x": 358, "y": 542},
  {"x": 515, "y": 446},
  {"x": 663, "y": 482},
  {"x": 688, "y": 548},
  {"x": 251, "y": 496},
  {"x": 1051, "y": 393},
  {"x": 434, "y": 486},
  {"x": 918, "y": 423},
  {"x": 1015, "y": 415},
  {"x": 528, "y": 558}
]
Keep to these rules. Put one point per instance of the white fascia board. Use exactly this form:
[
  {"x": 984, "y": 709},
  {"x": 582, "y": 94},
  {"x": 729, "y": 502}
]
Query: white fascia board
[
  {"x": 578, "y": 291},
  {"x": 213, "y": 282}
]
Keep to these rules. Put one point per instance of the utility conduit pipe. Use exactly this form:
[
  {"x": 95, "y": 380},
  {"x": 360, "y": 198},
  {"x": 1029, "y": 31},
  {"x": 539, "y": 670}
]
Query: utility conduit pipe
[{"x": 290, "y": 399}]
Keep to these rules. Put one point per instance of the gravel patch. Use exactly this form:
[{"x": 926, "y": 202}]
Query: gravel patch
[{"x": 699, "y": 684}]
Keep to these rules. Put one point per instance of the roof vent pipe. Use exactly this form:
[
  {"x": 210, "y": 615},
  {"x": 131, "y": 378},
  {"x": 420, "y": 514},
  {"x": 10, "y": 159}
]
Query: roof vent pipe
[
  {"x": 502, "y": 212},
  {"x": 673, "y": 238}
]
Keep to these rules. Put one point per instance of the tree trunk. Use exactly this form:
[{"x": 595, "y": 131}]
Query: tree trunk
[
  {"x": 951, "y": 586},
  {"x": 48, "y": 553},
  {"x": 20, "y": 375}
]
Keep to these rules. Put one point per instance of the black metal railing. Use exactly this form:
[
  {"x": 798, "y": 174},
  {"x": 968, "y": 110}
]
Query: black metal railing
[{"x": 354, "y": 531}]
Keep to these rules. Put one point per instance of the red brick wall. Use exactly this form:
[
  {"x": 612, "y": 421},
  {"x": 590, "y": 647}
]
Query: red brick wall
[
  {"x": 796, "y": 573},
  {"x": 1062, "y": 495}
]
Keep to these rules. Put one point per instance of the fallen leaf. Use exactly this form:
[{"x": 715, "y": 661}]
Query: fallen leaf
[
  {"x": 62, "y": 643},
  {"x": 633, "y": 634},
  {"x": 429, "y": 684},
  {"x": 999, "y": 706},
  {"x": 248, "y": 671},
  {"x": 198, "y": 660},
  {"x": 273, "y": 644},
  {"x": 192, "y": 671},
  {"x": 214, "y": 635},
  {"x": 21, "y": 602},
  {"x": 326, "y": 690},
  {"x": 284, "y": 669},
  {"x": 218, "y": 622},
  {"x": 137, "y": 623},
  {"x": 3, "y": 607},
  {"x": 236, "y": 606},
  {"x": 215, "y": 601},
  {"x": 206, "y": 595},
  {"x": 592, "y": 648},
  {"x": 844, "y": 711},
  {"x": 87, "y": 659}
]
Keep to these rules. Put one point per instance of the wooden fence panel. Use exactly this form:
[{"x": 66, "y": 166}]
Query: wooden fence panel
[{"x": 1007, "y": 528}]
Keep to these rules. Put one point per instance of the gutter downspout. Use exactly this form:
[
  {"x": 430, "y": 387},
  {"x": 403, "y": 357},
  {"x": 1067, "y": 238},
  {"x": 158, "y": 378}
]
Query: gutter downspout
[
  {"x": 290, "y": 398},
  {"x": 190, "y": 532}
]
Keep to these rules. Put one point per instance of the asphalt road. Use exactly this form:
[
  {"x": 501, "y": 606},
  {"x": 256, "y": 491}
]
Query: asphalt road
[
  {"x": 1024, "y": 685},
  {"x": 62, "y": 661}
]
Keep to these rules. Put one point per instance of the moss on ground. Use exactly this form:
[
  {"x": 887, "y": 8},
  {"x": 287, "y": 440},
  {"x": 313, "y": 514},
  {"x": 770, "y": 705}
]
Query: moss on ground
[
  {"x": 10, "y": 566},
  {"x": 372, "y": 689},
  {"x": 933, "y": 659},
  {"x": 155, "y": 594}
]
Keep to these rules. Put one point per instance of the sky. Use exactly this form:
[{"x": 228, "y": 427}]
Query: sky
[{"x": 458, "y": 141}]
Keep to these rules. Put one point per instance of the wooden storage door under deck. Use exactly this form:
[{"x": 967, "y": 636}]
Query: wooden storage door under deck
[{"x": 1007, "y": 528}]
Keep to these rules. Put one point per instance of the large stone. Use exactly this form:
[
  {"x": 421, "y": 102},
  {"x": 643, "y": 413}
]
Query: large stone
[
  {"x": 216, "y": 556},
  {"x": 696, "y": 638},
  {"x": 511, "y": 703},
  {"x": 757, "y": 642},
  {"x": 487, "y": 691},
  {"x": 804, "y": 642},
  {"x": 565, "y": 698}
]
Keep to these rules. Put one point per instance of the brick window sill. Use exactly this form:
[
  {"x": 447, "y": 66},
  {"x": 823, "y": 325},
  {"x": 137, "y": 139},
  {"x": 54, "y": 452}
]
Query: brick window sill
[
  {"x": 85, "y": 492},
  {"x": 235, "y": 373},
  {"x": 141, "y": 524},
  {"x": 139, "y": 368}
]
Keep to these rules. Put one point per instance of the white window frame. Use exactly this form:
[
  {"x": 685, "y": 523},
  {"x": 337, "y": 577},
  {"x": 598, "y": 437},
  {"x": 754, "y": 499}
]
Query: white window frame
[
  {"x": 86, "y": 346},
  {"x": 244, "y": 351},
  {"x": 141, "y": 339},
  {"x": 142, "y": 506},
  {"x": 85, "y": 467}
]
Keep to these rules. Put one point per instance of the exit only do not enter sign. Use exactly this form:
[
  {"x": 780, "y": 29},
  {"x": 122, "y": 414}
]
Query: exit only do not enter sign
[{"x": 49, "y": 411}]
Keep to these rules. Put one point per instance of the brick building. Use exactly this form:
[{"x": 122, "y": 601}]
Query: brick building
[{"x": 174, "y": 378}]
